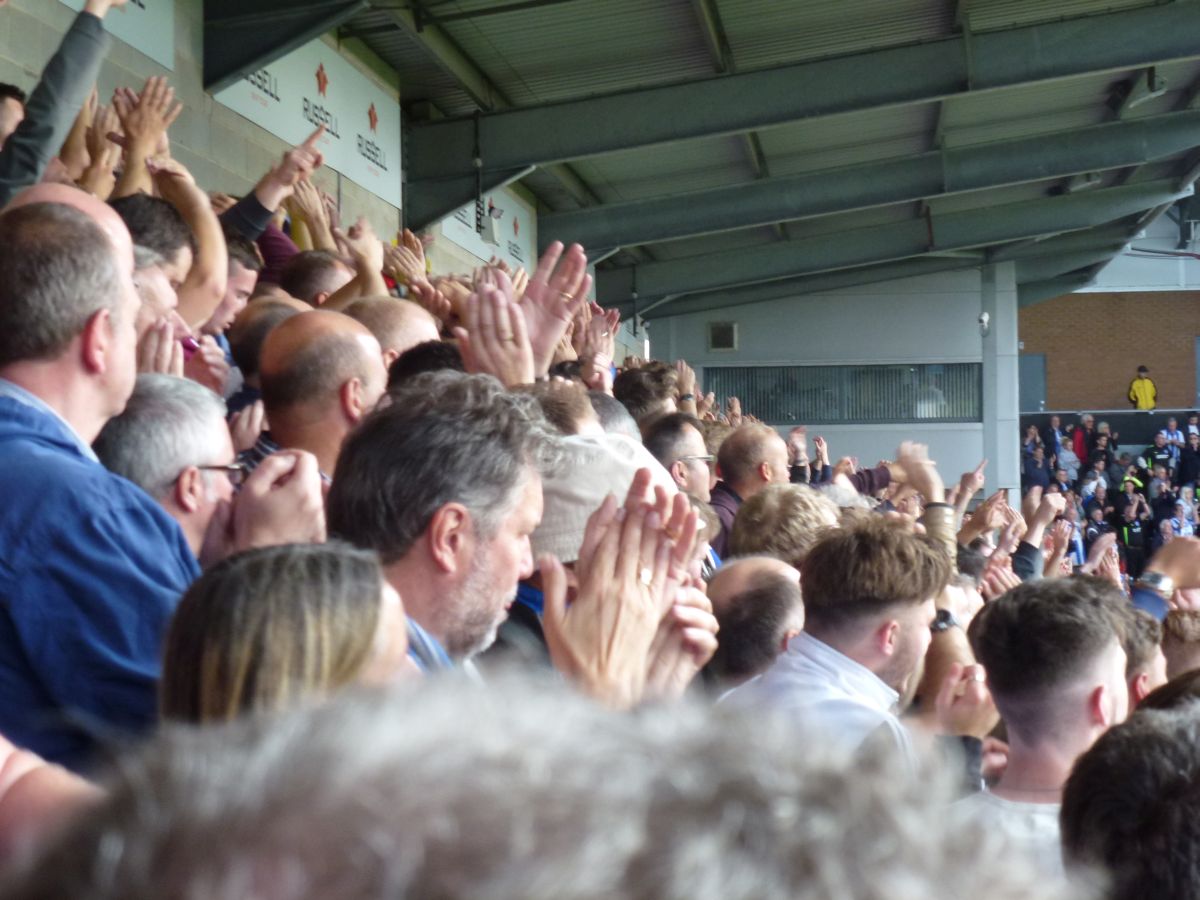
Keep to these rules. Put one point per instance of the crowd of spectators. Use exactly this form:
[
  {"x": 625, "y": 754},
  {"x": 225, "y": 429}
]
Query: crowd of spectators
[
  {"x": 1143, "y": 498},
  {"x": 323, "y": 574}
]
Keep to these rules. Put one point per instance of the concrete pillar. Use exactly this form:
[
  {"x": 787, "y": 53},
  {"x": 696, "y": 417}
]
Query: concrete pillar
[{"x": 1001, "y": 409}]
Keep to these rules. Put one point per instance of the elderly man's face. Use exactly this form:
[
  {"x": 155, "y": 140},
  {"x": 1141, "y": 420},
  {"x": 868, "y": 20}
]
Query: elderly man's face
[
  {"x": 490, "y": 586},
  {"x": 158, "y": 301}
]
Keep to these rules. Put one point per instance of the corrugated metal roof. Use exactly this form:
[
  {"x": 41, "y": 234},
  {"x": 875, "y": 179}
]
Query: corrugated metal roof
[
  {"x": 989, "y": 15},
  {"x": 579, "y": 48},
  {"x": 652, "y": 172},
  {"x": 766, "y": 33}
]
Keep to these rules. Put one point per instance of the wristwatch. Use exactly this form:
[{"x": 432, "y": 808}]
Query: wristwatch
[{"x": 944, "y": 621}]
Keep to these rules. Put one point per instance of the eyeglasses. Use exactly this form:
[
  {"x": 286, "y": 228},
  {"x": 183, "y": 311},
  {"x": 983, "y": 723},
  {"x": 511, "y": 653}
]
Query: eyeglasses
[
  {"x": 237, "y": 472},
  {"x": 708, "y": 458}
]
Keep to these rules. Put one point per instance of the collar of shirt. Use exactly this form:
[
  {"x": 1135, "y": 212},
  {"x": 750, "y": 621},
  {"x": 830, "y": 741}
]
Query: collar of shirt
[
  {"x": 840, "y": 672},
  {"x": 18, "y": 393}
]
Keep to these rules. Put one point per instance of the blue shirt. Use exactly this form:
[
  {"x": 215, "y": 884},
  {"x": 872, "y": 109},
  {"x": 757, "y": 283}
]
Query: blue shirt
[{"x": 91, "y": 569}]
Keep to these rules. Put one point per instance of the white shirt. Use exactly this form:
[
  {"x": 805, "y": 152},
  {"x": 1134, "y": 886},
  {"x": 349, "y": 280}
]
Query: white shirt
[
  {"x": 1031, "y": 829},
  {"x": 827, "y": 692}
]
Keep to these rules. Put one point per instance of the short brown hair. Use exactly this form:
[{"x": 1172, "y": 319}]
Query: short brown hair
[
  {"x": 1143, "y": 637},
  {"x": 854, "y": 573},
  {"x": 564, "y": 403},
  {"x": 714, "y": 434},
  {"x": 783, "y": 521},
  {"x": 645, "y": 391},
  {"x": 1038, "y": 637},
  {"x": 1181, "y": 641},
  {"x": 743, "y": 451}
]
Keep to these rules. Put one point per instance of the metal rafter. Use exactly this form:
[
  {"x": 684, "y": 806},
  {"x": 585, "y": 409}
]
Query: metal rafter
[
  {"x": 899, "y": 180},
  {"x": 889, "y": 243},
  {"x": 741, "y": 102}
]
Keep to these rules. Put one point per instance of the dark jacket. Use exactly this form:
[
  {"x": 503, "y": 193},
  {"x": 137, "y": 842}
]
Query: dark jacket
[
  {"x": 91, "y": 569},
  {"x": 725, "y": 503}
]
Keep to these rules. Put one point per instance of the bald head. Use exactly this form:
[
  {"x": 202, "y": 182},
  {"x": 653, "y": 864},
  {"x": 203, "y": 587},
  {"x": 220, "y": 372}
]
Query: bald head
[
  {"x": 757, "y": 603},
  {"x": 308, "y": 360},
  {"x": 741, "y": 575},
  {"x": 398, "y": 325},
  {"x": 752, "y": 457},
  {"x": 96, "y": 210}
]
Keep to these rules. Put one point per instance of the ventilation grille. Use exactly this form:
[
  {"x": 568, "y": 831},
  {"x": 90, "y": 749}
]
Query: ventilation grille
[
  {"x": 853, "y": 395},
  {"x": 722, "y": 336}
]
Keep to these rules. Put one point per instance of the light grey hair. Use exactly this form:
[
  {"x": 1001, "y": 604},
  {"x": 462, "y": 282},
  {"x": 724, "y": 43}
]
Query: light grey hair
[
  {"x": 521, "y": 791},
  {"x": 168, "y": 424},
  {"x": 844, "y": 496}
]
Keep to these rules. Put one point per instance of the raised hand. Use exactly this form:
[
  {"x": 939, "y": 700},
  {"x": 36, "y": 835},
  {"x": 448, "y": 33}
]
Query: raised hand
[
  {"x": 602, "y": 640},
  {"x": 247, "y": 425},
  {"x": 297, "y": 164},
  {"x": 307, "y": 203},
  {"x": 402, "y": 265},
  {"x": 159, "y": 351},
  {"x": 280, "y": 503},
  {"x": 432, "y": 301},
  {"x": 556, "y": 292},
  {"x": 208, "y": 366},
  {"x": 145, "y": 117},
  {"x": 686, "y": 640},
  {"x": 495, "y": 341},
  {"x": 964, "y": 704}
]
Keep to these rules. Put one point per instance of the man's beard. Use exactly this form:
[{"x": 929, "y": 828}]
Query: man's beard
[{"x": 481, "y": 612}]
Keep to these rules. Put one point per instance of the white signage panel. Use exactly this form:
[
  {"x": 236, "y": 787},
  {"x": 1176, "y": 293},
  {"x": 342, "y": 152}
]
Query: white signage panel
[
  {"x": 509, "y": 229},
  {"x": 145, "y": 25},
  {"x": 313, "y": 86}
]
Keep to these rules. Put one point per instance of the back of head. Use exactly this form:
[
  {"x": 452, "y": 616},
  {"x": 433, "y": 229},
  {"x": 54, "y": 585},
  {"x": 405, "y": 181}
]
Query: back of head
[
  {"x": 854, "y": 575},
  {"x": 397, "y": 324},
  {"x": 307, "y": 358},
  {"x": 444, "y": 437},
  {"x": 614, "y": 417},
  {"x": 268, "y": 629},
  {"x": 251, "y": 328},
  {"x": 454, "y": 790},
  {"x": 646, "y": 392},
  {"x": 431, "y": 356},
  {"x": 168, "y": 424},
  {"x": 1142, "y": 641},
  {"x": 783, "y": 521},
  {"x": 1041, "y": 639},
  {"x": 155, "y": 223},
  {"x": 565, "y": 405},
  {"x": 743, "y": 451},
  {"x": 1181, "y": 641},
  {"x": 57, "y": 269},
  {"x": 313, "y": 274},
  {"x": 1129, "y": 807},
  {"x": 754, "y": 622}
]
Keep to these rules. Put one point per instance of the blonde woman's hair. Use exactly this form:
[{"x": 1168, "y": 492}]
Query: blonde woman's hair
[{"x": 267, "y": 629}]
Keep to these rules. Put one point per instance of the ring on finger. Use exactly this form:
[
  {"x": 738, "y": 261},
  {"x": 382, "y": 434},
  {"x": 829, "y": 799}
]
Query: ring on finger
[{"x": 646, "y": 576}]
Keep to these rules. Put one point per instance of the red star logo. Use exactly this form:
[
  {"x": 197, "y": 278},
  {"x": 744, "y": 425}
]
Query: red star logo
[
  {"x": 516, "y": 227},
  {"x": 322, "y": 79},
  {"x": 374, "y": 117}
]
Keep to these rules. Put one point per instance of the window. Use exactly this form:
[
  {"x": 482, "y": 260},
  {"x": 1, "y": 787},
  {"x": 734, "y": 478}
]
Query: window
[{"x": 853, "y": 395}]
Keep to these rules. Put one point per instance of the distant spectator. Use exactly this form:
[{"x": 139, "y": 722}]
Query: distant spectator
[{"x": 1142, "y": 392}]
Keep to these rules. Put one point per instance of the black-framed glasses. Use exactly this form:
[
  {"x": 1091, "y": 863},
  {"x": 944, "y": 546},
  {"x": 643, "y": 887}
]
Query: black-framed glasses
[{"x": 237, "y": 472}]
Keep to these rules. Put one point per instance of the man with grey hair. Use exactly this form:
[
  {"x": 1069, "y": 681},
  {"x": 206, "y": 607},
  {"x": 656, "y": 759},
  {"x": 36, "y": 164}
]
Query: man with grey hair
[
  {"x": 173, "y": 443},
  {"x": 90, "y": 566},
  {"x": 444, "y": 484},
  {"x": 453, "y": 790}
]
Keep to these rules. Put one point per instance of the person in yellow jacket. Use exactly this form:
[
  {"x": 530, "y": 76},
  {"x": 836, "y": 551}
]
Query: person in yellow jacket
[{"x": 1142, "y": 392}]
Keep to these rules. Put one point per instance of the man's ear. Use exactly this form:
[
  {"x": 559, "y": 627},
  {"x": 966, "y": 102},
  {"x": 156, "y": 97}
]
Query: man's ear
[
  {"x": 354, "y": 404},
  {"x": 679, "y": 474},
  {"x": 886, "y": 637},
  {"x": 320, "y": 298},
  {"x": 1139, "y": 688},
  {"x": 189, "y": 489},
  {"x": 97, "y": 340},
  {"x": 787, "y": 638},
  {"x": 451, "y": 538},
  {"x": 1100, "y": 706},
  {"x": 764, "y": 471}
]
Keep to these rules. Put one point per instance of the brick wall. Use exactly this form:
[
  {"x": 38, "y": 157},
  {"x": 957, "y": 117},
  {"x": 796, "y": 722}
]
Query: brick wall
[
  {"x": 1094, "y": 343},
  {"x": 221, "y": 148}
]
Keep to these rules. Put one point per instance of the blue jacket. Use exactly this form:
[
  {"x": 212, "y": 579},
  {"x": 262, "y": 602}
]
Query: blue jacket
[{"x": 91, "y": 569}]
